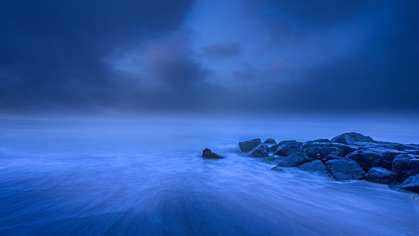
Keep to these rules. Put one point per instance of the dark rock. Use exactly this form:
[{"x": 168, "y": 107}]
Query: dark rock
[
  {"x": 260, "y": 151},
  {"x": 270, "y": 141},
  {"x": 405, "y": 166},
  {"x": 295, "y": 159},
  {"x": 381, "y": 175},
  {"x": 344, "y": 169},
  {"x": 288, "y": 147},
  {"x": 321, "y": 140},
  {"x": 411, "y": 184},
  {"x": 207, "y": 153},
  {"x": 368, "y": 159},
  {"x": 351, "y": 138},
  {"x": 320, "y": 150},
  {"x": 247, "y": 146},
  {"x": 314, "y": 166}
]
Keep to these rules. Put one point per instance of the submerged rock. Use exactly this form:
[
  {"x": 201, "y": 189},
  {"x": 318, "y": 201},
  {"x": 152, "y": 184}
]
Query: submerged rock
[
  {"x": 247, "y": 146},
  {"x": 314, "y": 166},
  {"x": 295, "y": 159},
  {"x": 412, "y": 184},
  {"x": 270, "y": 141},
  {"x": 207, "y": 153},
  {"x": 344, "y": 169},
  {"x": 405, "y": 166},
  {"x": 351, "y": 138},
  {"x": 380, "y": 175},
  {"x": 260, "y": 151}
]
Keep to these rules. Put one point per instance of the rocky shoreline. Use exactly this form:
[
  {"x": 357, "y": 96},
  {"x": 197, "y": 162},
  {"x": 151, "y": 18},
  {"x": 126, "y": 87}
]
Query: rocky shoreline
[{"x": 349, "y": 156}]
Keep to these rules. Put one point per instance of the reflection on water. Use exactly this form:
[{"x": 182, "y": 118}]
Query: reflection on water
[{"x": 147, "y": 178}]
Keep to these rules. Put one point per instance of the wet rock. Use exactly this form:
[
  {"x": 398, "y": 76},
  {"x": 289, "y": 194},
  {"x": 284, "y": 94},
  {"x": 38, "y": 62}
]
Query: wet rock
[
  {"x": 294, "y": 159},
  {"x": 344, "y": 169},
  {"x": 207, "y": 153},
  {"x": 381, "y": 175},
  {"x": 314, "y": 166},
  {"x": 405, "y": 166},
  {"x": 411, "y": 184},
  {"x": 321, "y": 140},
  {"x": 351, "y": 138},
  {"x": 247, "y": 146},
  {"x": 270, "y": 141},
  {"x": 288, "y": 147},
  {"x": 368, "y": 159},
  {"x": 320, "y": 150},
  {"x": 260, "y": 151}
]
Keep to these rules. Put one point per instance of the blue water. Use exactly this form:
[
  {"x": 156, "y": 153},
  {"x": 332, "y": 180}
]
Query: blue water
[{"x": 146, "y": 177}]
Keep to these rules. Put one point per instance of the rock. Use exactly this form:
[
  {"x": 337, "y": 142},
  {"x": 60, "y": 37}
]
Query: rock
[
  {"x": 320, "y": 150},
  {"x": 314, "y": 166},
  {"x": 247, "y": 146},
  {"x": 405, "y": 166},
  {"x": 411, "y": 184},
  {"x": 368, "y": 159},
  {"x": 207, "y": 153},
  {"x": 351, "y": 138},
  {"x": 270, "y": 141},
  {"x": 288, "y": 147},
  {"x": 321, "y": 140},
  {"x": 260, "y": 151},
  {"x": 344, "y": 169},
  {"x": 380, "y": 175},
  {"x": 295, "y": 159}
]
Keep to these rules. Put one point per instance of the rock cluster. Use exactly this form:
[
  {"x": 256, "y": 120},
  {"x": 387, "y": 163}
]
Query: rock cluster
[{"x": 348, "y": 156}]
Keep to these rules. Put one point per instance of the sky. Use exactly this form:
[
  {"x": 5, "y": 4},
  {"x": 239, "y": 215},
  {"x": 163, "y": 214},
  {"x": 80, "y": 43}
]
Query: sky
[{"x": 209, "y": 55}]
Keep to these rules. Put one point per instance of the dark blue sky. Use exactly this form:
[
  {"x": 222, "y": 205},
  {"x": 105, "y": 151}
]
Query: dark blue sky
[{"x": 185, "y": 55}]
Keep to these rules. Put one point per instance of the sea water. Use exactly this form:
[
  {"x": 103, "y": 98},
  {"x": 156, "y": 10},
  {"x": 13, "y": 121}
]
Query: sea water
[{"x": 146, "y": 176}]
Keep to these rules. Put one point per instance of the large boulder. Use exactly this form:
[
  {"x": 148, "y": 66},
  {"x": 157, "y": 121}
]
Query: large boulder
[
  {"x": 247, "y": 146},
  {"x": 368, "y": 159},
  {"x": 295, "y": 159},
  {"x": 351, "y": 138},
  {"x": 320, "y": 150},
  {"x": 344, "y": 169},
  {"x": 260, "y": 151},
  {"x": 314, "y": 166},
  {"x": 207, "y": 153},
  {"x": 380, "y": 175},
  {"x": 287, "y": 147},
  {"x": 405, "y": 166},
  {"x": 270, "y": 141},
  {"x": 411, "y": 184}
]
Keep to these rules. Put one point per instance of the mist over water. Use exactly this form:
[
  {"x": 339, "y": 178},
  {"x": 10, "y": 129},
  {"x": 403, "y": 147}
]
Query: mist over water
[{"x": 146, "y": 177}]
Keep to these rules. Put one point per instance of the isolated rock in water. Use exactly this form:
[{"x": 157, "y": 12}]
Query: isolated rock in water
[
  {"x": 405, "y": 166},
  {"x": 261, "y": 151},
  {"x": 351, "y": 138},
  {"x": 412, "y": 184},
  {"x": 247, "y": 146},
  {"x": 344, "y": 169},
  {"x": 381, "y": 175},
  {"x": 207, "y": 153},
  {"x": 295, "y": 159},
  {"x": 270, "y": 141},
  {"x": 368, "y": 159},
  {"x": 314, "y": 166},
  {"x": 288, "y": 147}
]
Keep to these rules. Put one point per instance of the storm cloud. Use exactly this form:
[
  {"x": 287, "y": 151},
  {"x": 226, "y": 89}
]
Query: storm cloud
[{"x": 209, "y": 55}]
